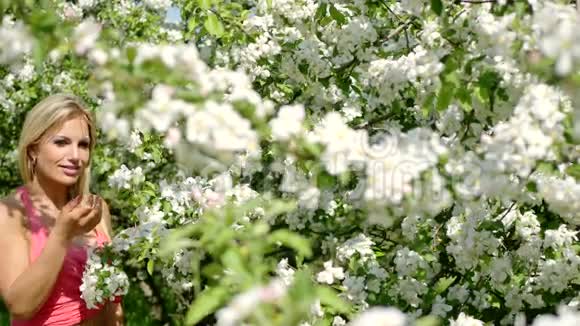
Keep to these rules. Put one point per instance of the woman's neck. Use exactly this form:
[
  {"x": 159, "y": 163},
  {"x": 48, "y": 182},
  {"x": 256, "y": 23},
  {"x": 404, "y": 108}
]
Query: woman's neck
[{"x": 56, "y": 193}]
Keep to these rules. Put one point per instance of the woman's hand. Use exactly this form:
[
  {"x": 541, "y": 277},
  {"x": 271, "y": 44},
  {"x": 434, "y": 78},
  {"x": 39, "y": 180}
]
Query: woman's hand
[{"x": 78, "y": 216}]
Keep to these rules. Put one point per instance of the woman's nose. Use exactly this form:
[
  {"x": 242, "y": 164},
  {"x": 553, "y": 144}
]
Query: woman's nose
[{"x": 74, "y": 153}]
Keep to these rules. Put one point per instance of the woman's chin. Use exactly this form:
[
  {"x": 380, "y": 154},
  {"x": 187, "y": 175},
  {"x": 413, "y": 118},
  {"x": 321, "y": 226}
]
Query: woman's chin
[
  {"x": 61, "y": 178},
  {"x": 68, "y": 180}
]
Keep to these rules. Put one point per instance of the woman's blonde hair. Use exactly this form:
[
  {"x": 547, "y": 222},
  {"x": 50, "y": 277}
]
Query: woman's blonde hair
[{"x": 46, "y": 116}]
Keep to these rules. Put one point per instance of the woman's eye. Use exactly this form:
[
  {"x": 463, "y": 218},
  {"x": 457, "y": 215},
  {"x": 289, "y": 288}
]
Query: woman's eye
[
  {"x": 60, "y": 142},
  {"x": 84, "y": 145}
]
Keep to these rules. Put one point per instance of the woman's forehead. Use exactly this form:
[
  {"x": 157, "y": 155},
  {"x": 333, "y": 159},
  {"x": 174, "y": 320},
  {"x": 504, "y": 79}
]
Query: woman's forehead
[{"x": 75, "y": 127}]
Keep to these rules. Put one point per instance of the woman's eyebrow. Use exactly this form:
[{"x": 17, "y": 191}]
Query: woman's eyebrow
[{"x": 86, "y": 139}]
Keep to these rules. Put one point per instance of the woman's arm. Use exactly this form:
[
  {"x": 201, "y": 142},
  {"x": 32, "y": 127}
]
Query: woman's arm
[
  {"x": 114, "y": 311},
  {"x": 114, "y": 314},
  {"x": 25, "y": 287}
]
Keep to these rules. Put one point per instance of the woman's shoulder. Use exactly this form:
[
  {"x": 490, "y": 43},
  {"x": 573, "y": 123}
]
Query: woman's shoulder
[{"x": 11, "y": 209}]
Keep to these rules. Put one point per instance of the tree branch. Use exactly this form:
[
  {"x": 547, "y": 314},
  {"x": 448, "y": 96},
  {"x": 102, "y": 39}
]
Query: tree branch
[
  {"x": 399, "y": 29},
  {"x": 478, "y": 1},
  {"x": 390, "y": 10}
]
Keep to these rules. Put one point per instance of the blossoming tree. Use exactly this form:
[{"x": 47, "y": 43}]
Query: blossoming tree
[{"x": 306, "y": 162}]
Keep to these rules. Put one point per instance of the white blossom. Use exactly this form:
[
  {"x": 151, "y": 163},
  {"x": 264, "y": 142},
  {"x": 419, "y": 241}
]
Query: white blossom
[
  {"x": 360, "y": 244},
  {"x": 555, "y": 25},
  {"x": 380, "y": 316},
  {"x": 160, "y": 5},
  {"x": 86, "y": 35},
  {"x": 15, "y": 40},
  {"x": 330, "y": 273},
  {"x": 102, "y": 281},
  {"x": 465, "y": 320},
  {"x": 243, "y": 304},
  {"x": 288, "y": 122}
]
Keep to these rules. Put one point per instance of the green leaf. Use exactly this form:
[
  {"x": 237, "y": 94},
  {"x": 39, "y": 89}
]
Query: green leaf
[
  {"x": 574, "y": 171},
  {"x": 39, "y": 53},
  {"x": 345, "y": 177},
  {"x": 546, "y": 168},
  {"x": 311, "y": 148},
  {"x": 43, "y": 21},
  {"x": 277, "y": 207},
  {"x": 150, "y": 266},
  {"x": 213, "y": 25},
  {"x": 330, "y": 298},
  {"x": 464, "y": 96},
  {"x": 221, "y": 239},
  {"x": 302, "y": 291},
  {"x": 453, "y": 78},
  {"x": 204, "y": 4},
  {"x": 321, "y": 11},
  {"x": 337, "y": 15},
  {"x": 437, "y": 7},
  {"x": 212, "y": 270},
  {"x": 445, "y": 95},
  {"x": 207, "y": 302},
  {"x": 489, "y": 79},
  {"x": 191, "y": 24},
  {"x": 179, "y": 239},
  {"x": 532, "y": 186},
  {"x": 292, "y": 240},
  {"x": 131, "y": 53},
  {"x": 326, "y": 321},
  {"x": 443, "y": 283},
  {"x": 428, "y": 321},
  {"x": 481, "y": 94},
  {"x": 325, "y": 21},
  {"x": 232, "y": 260},
  {"x": 325, "y": 180}
]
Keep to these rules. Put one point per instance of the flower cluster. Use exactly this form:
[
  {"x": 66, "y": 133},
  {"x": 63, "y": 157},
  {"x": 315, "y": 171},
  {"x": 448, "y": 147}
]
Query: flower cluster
[
  {"x": 416, "y": 155},
  {"x": 102, "y": 280}
]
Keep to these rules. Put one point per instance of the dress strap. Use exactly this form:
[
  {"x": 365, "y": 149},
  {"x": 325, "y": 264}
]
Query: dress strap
[
  {"x": 33, "y": 219},
  {"x": 38, "y": 232}
]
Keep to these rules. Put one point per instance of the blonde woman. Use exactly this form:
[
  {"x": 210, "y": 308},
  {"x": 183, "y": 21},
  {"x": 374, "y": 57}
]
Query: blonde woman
[{"x": 47, "y": 223}]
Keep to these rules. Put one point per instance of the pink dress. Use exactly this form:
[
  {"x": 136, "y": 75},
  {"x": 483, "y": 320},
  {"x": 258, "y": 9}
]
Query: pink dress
[{"x": 64, "y": 305}]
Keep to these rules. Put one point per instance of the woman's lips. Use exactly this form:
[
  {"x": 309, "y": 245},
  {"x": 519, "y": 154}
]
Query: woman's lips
[{"x": 70, "y": 171}]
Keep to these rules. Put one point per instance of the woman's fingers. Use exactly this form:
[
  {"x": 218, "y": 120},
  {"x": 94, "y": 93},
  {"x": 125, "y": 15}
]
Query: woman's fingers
[
  {"x": 72, "y": 204},
  {"x": 98, "y": 202},
  {"x": 78, "y": 212},
  {"x": 90, "y": 220},
  {"x": 89, "y": 207}
]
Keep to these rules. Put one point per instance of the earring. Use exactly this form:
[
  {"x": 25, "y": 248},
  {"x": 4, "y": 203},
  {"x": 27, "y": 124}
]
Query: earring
[{"x": 33, "y": 168}]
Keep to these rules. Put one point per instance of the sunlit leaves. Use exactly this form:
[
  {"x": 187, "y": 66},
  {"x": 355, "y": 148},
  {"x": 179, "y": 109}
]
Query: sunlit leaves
[{"x": 213, "y": 25}]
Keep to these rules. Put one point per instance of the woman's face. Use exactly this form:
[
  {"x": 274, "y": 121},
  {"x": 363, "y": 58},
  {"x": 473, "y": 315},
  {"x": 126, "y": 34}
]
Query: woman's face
[{"x": 63, "y": 154}]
